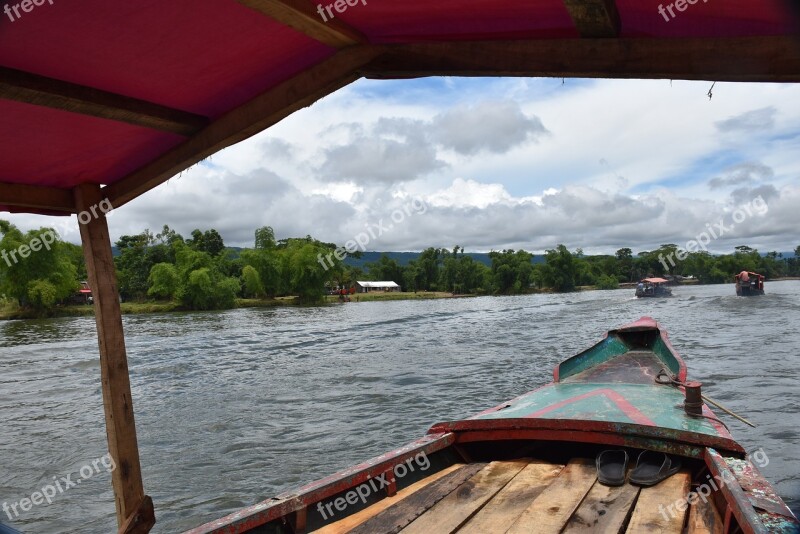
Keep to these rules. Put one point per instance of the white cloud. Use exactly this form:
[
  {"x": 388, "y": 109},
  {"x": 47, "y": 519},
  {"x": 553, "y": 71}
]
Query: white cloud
[{"x": 501, "y": 163}]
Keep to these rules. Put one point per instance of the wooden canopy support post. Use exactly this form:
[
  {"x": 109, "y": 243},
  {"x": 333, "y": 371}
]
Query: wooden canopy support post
[
  {"x": 303, "y": 17},
  {"x": 248, "y": 119},
  {"x": 735, "y": 59},
  {"x": 57, "y": 94},
  {"x": 134, "y": 508}
]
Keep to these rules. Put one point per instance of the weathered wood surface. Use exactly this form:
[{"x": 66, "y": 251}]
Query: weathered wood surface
[
  {"x": 459, "y": 506},
  {"x": 704, "y": 518},
  {"x": 395, "y": 518},
  {"x": 352, "y": 521},
  {"x": 605, "y": 509},
  {"x": 116, "y": 385},
  {"x": 550, "y": 512},
  {"x": 657, "y": 511},
  {"x": 500, "y": 513}
]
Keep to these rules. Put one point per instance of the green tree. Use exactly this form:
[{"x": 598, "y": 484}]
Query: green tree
[
  {"x": 413, "y": 277},
  {"x": 266, "y": 264},
  {"x": 301, "y": 271},
  {"x": 209, "y": 241},
  {"x": 164, "y": 281},
  {"x": 42, "y": 295},
  {"x": 36, "y": 267},
  {"x": 624, "y": 258},
  {"x": 265, "y": 238},
  {"x": 385, "y": 269},
  {"x": 212, "y": 242},
  {"x": 700, "y": 265},
  {"x": 76, "y": 257},
  {"x": 771, "y": 265},
  {"x": 252, "y": 282},
  {"x": 793, "y": 264},
  {"x": 132, "y": 269},
  {"x": 607, "y": 282},
  {"x": 560, "y": 269},
  {"x": 202, "y": 285},
  {"x": 429, "y": 264},
  {"x": 512, "y": 271},
  {"x": 198, "y": 291}
]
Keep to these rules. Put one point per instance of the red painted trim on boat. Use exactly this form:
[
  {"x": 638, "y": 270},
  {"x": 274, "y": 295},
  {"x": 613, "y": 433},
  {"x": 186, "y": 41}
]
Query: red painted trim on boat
[
  {"x": 572, "y": 436},
  {"x": 577, "y": 430},
  {"x": 622, "y": 403},
  {"x": 738, "y": 503},
  {"x": 289, "y": 502}
]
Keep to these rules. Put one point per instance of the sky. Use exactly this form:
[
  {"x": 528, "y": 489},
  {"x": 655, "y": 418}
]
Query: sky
[{"x": 499, "y": 163}]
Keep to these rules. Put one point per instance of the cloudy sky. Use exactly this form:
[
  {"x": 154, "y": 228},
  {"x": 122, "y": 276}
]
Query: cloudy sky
[{"x": 501, "y": 163}]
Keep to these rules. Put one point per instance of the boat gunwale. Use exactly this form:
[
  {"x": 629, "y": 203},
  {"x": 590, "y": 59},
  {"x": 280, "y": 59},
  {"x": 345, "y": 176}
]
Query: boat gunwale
[
  {"x": 584, "y": 431},
  {"x": 297, "y": 500}
]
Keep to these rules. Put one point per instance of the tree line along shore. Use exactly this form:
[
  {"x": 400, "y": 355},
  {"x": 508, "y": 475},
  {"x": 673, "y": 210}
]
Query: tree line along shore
[{"x": 166, "y": 272}]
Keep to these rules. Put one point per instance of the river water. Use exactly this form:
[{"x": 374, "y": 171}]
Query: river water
[{"x": 235, "y": 407}]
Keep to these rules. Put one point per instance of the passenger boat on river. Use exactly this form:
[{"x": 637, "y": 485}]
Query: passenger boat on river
[
  {"x": 749, "y": 284},
  {"x": 653, "y": 287},
  {"x": 529, "y": 464}
]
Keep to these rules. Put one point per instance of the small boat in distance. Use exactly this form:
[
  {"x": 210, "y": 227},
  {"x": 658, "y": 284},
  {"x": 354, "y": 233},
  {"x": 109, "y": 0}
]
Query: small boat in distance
[
  {"x": 653, "y": 287},
  {"x": 542, "y": 463},
  {"x": 749, "y": 284}
]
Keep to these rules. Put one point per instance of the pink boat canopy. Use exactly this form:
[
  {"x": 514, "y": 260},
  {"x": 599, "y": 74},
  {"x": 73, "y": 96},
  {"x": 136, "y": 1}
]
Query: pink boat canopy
[{"x": 129, "y": 94}]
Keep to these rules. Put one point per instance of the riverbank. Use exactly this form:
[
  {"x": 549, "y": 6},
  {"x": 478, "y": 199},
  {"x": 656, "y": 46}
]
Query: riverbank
[
  {"x": 10, "y": 312},
  {"x": 378, "y": 296}
]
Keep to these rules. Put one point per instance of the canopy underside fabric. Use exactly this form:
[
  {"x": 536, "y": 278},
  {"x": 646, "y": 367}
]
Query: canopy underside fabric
[{"x": 128, "y": 94}]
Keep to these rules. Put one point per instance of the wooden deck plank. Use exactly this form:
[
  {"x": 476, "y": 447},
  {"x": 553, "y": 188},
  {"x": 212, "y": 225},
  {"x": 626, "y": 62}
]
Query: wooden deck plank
[
  {"x": 457, "y": 508},
  {"x": 605, "y": 509},
  {"x": 350, "y": 522},
  {"x": 395, "y": 517},
  {"x": 501, "y": 512},
  {"x": 656, "y": 509},
  {"x": 550, "y": 512},
  {"x": 704, "y": 519}
]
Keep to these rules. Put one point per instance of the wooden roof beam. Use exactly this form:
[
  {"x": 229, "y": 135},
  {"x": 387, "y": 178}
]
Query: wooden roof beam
[
  {"x": 741, "y": 59},
  {"x": 301, "y": 15},
  {"x": 594, "y": 18},
  {"x": 247, "y": 120},
  {"x": 37, "y": 199},
  {"x": 49, "y": 92}
]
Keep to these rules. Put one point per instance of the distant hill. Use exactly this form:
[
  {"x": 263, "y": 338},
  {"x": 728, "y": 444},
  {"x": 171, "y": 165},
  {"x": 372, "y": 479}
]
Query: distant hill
[{"x": 404, "y": 257}]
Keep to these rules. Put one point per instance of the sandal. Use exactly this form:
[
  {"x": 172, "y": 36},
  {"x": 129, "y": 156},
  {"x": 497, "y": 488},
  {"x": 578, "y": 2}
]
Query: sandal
[
  {"x": 653, "y": 467},
  {"x": 611, "y": 467}
]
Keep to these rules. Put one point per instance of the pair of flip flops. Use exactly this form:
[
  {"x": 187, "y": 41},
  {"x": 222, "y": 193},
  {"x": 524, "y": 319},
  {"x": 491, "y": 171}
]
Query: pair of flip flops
[{"x": 651, "y": 467}]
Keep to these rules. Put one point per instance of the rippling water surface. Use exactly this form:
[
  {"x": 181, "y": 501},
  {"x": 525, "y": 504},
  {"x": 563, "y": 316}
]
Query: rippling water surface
[{"x": 235, "y": 407}]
